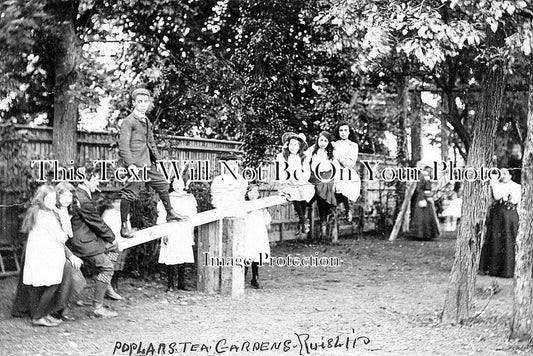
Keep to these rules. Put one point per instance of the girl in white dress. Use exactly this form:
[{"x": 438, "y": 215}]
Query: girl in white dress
[
  {"x": 177, "y": 247},
  {"x": 45, "y": 255},
  {"x": 294, "y": 174},
  {"x": 257, "y": 246},
  {"x": 347, "y": 186}
]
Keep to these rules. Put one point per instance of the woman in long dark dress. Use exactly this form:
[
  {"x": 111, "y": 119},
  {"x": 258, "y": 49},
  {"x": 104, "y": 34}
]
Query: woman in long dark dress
[
  {"x": 498, "y": 252},
  {"x": 423, "y": 224}
]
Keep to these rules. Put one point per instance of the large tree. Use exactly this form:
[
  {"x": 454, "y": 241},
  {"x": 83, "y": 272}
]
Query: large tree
[
  {"x": 438, "y": 36},
  {"x": 43, "y": 70}
]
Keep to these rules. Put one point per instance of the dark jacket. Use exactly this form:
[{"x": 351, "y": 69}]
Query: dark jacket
[
  {"x": 136, "y": 143},
  {"x": 89, "y": 230}
]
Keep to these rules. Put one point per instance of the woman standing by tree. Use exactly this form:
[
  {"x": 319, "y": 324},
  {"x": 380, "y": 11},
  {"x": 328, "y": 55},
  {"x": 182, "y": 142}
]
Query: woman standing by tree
[
  {"x": 498, "y": 252},
  {"x": 347, "y": 186}
]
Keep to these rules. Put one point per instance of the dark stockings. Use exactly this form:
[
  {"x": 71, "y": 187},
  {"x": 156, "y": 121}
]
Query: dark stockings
[
  {"x": 255, "y": 271},
  {"x": 300, "y": 207}
]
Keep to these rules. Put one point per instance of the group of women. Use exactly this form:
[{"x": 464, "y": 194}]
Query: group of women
[{"x": 314, "y": 173}]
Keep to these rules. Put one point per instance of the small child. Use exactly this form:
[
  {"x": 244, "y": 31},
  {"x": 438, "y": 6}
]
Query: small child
[
  {"x": 111, "y": 216},
  {"x": 451, "y": 211},
  {"x": 176, "y": 249},
  {"x": 257, "y": 246}
]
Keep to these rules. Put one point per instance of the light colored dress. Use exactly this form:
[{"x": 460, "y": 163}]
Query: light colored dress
[
  {"x": 346, "y": 153},
  {"x": 453, "y": 208},
  {"x": 45, "y": 252},
  {"x": 256, "y": 241},
  {"x": 295, "y": 189},
  {"x": 228, "y": 192},
  {"x": 176, "y": 248}
]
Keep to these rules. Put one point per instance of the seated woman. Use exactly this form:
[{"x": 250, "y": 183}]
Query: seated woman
[{"x": 498, "y": 252}]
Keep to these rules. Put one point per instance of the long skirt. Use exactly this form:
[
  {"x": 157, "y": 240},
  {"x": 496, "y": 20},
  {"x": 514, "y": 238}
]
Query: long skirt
[
  {"x": 423, "y": 223},
  {"x": 40, "y": 301},
  {"x": 498, "y": 252}
]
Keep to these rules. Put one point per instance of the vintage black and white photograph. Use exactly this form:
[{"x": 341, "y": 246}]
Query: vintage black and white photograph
[{"x": 266, "y": 177}]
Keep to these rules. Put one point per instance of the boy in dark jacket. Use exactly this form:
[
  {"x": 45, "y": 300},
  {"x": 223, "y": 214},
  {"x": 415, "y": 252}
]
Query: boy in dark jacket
[
  {"x": 137, "y": 149},
  {"x": 93, "y": 241}
]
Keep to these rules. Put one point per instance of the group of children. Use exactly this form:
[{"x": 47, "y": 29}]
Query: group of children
[
  {"x": 314, "y": 174},
  {"x": 51, "y": 281}
]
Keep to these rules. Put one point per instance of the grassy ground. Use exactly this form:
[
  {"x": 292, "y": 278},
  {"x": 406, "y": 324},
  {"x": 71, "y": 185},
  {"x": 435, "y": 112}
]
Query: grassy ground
[{"x": 389, "y": 293}]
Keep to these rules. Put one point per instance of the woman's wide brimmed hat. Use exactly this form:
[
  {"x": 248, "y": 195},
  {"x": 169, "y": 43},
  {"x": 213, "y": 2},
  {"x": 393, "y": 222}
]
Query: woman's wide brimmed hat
[{"x": 287, "y": 136}]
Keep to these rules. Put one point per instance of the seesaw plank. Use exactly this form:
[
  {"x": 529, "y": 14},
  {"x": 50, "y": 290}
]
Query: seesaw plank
[{"x": 158, "y": 231}]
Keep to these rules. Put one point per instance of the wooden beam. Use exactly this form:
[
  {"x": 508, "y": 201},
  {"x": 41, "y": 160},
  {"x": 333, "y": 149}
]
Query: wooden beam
[
  {"x": 205, "y": 217},
  {"x": 400, "y": 217}
]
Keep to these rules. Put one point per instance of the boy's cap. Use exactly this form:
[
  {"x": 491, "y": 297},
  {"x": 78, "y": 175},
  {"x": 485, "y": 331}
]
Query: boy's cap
[{"x": 140, "y": 91}]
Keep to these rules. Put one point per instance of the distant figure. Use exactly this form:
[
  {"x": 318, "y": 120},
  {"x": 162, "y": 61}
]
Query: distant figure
[
  {"x": 424, "y": 224},
  {"x": 498, "y": 252},
  {"x": 451, "y": 211}
]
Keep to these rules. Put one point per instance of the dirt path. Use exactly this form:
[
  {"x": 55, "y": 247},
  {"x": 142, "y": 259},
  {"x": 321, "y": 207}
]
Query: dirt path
[{"x": 387, "y": 294}]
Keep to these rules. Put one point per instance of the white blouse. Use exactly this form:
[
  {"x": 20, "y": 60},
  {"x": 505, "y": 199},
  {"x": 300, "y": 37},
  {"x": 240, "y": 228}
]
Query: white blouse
[
  {"x": 346, "y": 152},
  {"x": 505, "y": 190}
]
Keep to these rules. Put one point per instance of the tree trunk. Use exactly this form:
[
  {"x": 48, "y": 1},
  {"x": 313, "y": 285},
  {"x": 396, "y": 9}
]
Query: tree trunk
[
  {"x": 401, "y": 155},
  {"x": 461, "y": 286},
  {"x": 416, "y": 128},
  {"x": 521, "y": 324},
  {"x": 66, "y": 74}
]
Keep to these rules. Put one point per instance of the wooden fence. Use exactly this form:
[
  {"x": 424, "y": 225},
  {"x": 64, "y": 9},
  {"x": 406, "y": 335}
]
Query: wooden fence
[{"x": 375, "y": 195}]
